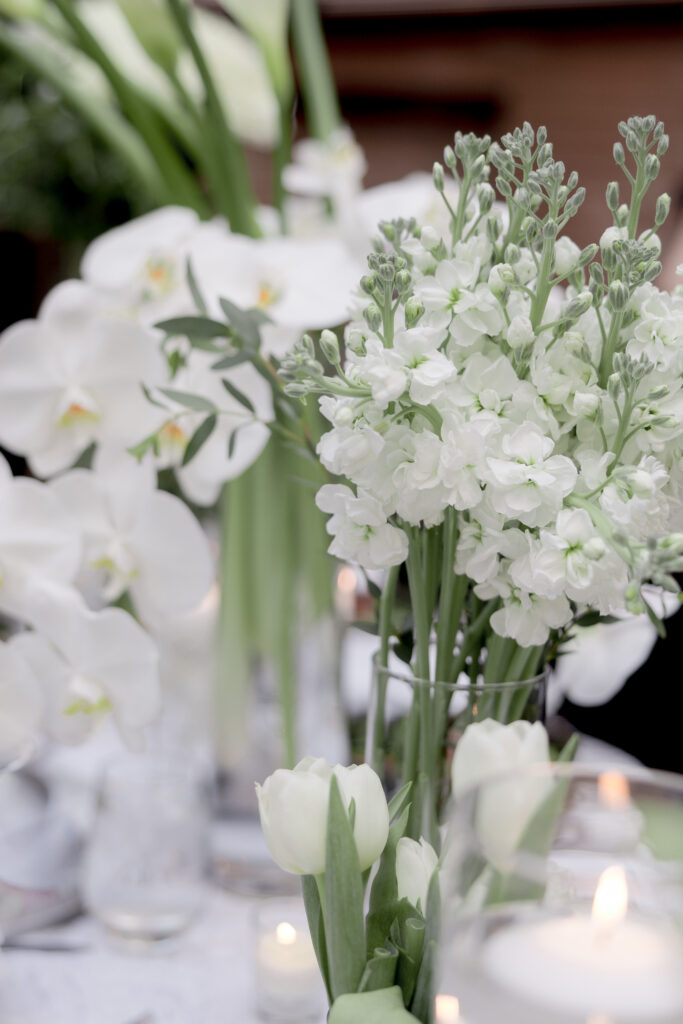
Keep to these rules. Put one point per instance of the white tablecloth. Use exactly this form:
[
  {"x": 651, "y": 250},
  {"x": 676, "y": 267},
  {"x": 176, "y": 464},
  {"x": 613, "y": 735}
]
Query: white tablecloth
[{"x": 204, "y": 976}]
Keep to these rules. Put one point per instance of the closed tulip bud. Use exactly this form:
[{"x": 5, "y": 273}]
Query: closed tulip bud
[
  {"x": 293, "y": 810},
  {"x": 415, "y": 865},
  {"x": 489, "y": 750}
]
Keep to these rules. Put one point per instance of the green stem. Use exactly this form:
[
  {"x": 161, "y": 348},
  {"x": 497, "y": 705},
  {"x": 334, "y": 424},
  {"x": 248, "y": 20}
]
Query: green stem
[
  {"x": 543, "y": 286},
  {"x": 231, "y": 183},
  {"x": 317, "y": 81},
  {"x": 609, "y": 347},
  {"x": 386, "y": 605},
  {"x": 180, "y": 185}
]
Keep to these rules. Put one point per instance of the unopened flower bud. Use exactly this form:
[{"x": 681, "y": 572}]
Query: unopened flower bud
[
  {"x": 585, "y": 404},
  {"x": 652, "y": 166},
  {"x": 486, "y": 195},
  {"x": 373, "y": 316},
  {"x": 512, "y": 254},
  {"x": 618, "y": 154},
  {"x": 577, "y": 306},
  {"x": 500, "y": 278},
  {"x": 330, "y": 347},
  {"x": 413, "y": 311},
  {"x": 595, "y": 549},
  {"x": 388, "y": 230},
  {"x": 403, "y": 281},
  {"x": 437, "y": 174},
  {"x": 617, "y": 296},
  {"x": 296, "y": 389},
  {"x": 368, "y": 283},
  {"x": 622, "y": 215},
  {"x": 662, "y": 209},
  {"x": 614, "y": 386},
  {"x": 663, "y": 145},
  {"x": 550, "y": 229},
  {"x": 520, "y": 333},
  {"x": 588, "y": 254},
  {"x": 652, "y": 271},
  {"x": 612, "y": 196}
]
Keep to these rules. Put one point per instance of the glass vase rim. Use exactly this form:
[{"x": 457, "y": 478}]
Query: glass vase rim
[{"x": 456, "y": 687}]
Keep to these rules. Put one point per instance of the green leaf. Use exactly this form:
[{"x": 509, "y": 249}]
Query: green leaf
[
  {"x": 194, "y": 289},
  {"x": 140, "y": 449},
  {"x": 383, "y": 919},
  {"x": 380, "y": 971},
  {"x": 200, "y": 436},
  {"x": 198, "y": 327},
  {"x": 150, "y": 398},
  {"x": 246, "y": 322},
  {"x": 238, "y": 395},
  {"x": 236, "y": 359},
  {"x": 385, "y": 887},
  {"x": 195, "y": 402},
  {"x": 422, "y": 997},
  {"x": 316, "y": 925},
  {"x": 399, "y": 801},
  {"x": 344, "y": 900},
  {"x": 232, "y": 440},
  {"x": 382, "y": 1007},
  {"x": 409, "y": 940}
]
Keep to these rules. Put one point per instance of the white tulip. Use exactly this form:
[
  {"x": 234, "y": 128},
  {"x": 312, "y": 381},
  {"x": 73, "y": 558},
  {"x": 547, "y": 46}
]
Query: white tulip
[
  {"x": 415, "y": 865},
  {"x": 293, "y": 808},
  {"x": 488, "y": 751}
]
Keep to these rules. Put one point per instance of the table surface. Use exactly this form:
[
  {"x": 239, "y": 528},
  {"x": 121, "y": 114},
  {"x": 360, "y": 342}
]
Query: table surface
[{"x": 204, "y": 976}]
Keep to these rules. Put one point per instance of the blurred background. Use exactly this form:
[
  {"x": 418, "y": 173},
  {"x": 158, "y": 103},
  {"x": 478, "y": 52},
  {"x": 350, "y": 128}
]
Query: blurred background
[{"x": 409, "y": 73}]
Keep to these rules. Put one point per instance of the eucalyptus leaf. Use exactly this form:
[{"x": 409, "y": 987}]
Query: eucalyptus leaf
[
  {"x": 238, "y": 395},
  {"x": 200, "y": 327},
  {"x": 228, "y": 362},
  {"x": 195, "y": 402},
  {"x": 200, "y": 436},
  {"x": 344, "y": 900},
  {"x": 150, "y": 398},
  {"x": 245, "y": 322},
  {"x": 195, "y": 292}
]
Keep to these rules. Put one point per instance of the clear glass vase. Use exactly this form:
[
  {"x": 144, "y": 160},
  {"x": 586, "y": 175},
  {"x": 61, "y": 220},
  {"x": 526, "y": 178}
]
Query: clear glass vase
[
  {"x": 414, "y": 725},
  {"x": 562, "y": 892}
]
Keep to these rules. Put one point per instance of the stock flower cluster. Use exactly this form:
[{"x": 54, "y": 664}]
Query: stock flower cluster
[{"x": 496, "y": 369}]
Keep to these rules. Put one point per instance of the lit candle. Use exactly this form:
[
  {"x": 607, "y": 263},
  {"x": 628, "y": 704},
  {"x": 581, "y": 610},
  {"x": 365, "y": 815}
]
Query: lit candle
[
  {"x": 594, "y": 966},
  {"x": 345, "y": 593},
  {"x": 288, "y": 981}
]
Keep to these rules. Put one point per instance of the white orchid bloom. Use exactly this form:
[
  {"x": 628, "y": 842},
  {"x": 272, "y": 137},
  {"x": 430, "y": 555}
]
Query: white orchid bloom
[
  {"x": 140, "y": 538},
  {"x": 72, "y": 377},
  {"x": 216, "y": 461},
  {"x": 240, "y": 75},
  {"x": 140, "y": 266},
  {"x": 21, "y": 708},
  {"x": 37, "y": 538},
  {"x": 89, "y": 664},
  {"x": 299, "y": 284}
]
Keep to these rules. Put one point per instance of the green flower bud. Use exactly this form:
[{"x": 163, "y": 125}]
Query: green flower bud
[
  {"x": 373, "y": 316},
  {"x": 617, "y": 296},
  {"x": 662, "y": 209},
  {"x": 296, "y": 389},
  {"x": 652, "y": 271},
  {"x": 577, "y": 306},
  {"x": 622, "y": 215},
  {"x": 413, "y": 311},
  {"x": 369, "y": 283},
  {"x": 588, "y": 254},
  {"x": 388, "y": 230},
  {"x": 550, "y": 229},
  {"x": 486, "y": 196},
  {"x": 449, "y": 157},
  {"x": 330, "y": 347},
  {"x": 437, "y": 174},
  {"x": 652, "y": 166},
  {"x": 663, "y": 145},
  {"x": 614, "y": 386},
  {"x": 612, "y": 196},
  {"x": 512, "y": 254},
  {"x": 618, "y": 154},
  {"x": 503, "y": 187},
  {"x": 386, "y": 272},
  {"x": 403, "y": 281}
]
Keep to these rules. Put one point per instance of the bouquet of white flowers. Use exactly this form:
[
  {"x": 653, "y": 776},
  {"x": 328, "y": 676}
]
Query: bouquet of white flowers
[{"x": 508, "y": 416}]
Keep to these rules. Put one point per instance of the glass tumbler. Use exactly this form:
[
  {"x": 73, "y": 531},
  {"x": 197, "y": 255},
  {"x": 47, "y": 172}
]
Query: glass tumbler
[{"x": 144, "y": 868}]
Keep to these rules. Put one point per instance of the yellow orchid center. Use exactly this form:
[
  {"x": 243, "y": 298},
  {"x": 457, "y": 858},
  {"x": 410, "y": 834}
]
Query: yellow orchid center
[
  {"x": 267, "y": 295},
  {"x": 76, "y": 414},
  {"x": 159, "y": 276}
]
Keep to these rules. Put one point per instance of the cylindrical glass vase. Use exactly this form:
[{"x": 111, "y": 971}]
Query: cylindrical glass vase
[
  {"x": 414, "y": 726},
  {"x": 563, "y": 889}
]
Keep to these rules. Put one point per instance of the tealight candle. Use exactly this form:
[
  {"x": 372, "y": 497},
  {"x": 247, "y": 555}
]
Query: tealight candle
[
  {"x": 289, "y": 988},
  {"x": 594, "y": 966}
]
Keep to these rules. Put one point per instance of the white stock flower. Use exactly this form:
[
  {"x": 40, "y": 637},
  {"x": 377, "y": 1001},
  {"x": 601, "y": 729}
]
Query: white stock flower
[
  {"x": 484, "y": 756},
  {"x": 140, "y": 266},
  {"x": 89, "y": 664},
  {"x": 415, "y": 865},
  {"x": 566, "y": 256},
  {"x": 293, "y": 809},
  {"x": 461, "y": 462},
  {"x": 520, "y": 333},
  {"x": 529, "y": 618},
  {"x": 21, "y": 708},
  {"x": 72, "y": 377},
  {"x": 37, "y": 539},
  {"x": 138, "y": 537},
  {"x": 527, "y": 482},
  {"x": 360, "y": 528},
  {"x": 333, "y": 167}
]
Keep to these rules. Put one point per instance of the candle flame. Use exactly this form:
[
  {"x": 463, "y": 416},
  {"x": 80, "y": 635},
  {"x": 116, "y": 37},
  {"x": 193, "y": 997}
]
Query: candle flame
[
  {"x": 599, "y": 1018},
  {"x": 285, "y": 934},
  {"x": 611, "y": 898},
  {"x": 447, "y": 1009},
  {"x": 613, "y": 790}
]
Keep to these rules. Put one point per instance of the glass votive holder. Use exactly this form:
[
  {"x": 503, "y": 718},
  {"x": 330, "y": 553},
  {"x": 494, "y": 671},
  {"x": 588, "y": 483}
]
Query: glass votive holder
[
  {"x": 145, "y": 864},
  {"x": 563, "y": 900},
  {"x": 288, "y": 985}
]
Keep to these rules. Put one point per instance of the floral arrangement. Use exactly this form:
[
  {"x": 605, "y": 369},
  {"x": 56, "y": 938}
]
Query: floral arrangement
[{"x": 508, "y": 418}]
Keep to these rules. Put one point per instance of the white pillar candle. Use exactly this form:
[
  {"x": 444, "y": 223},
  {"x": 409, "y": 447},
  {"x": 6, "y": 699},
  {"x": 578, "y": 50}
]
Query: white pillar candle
[
  {"x": 287, "y": 975},
  {"x": 605, "y": 964}
]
